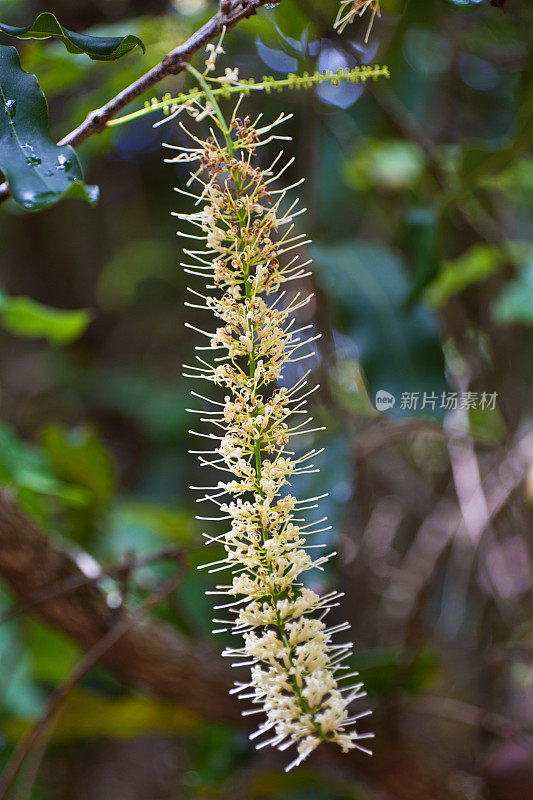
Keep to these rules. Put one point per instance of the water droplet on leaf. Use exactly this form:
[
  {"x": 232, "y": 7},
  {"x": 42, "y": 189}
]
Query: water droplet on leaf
[
  {"x": 11, "y": 109},
  {"x": 31, "y": 158},
  {"x": 64, "y": 163}
]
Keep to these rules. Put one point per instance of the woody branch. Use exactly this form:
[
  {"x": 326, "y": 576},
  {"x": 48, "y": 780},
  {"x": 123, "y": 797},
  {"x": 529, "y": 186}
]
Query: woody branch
[{"x": 229, "y": 14}]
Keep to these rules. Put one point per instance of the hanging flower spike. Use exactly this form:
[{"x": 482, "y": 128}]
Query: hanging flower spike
[
  {"x": 299, "y": 678},
  {"x": 350, "y": 9}
]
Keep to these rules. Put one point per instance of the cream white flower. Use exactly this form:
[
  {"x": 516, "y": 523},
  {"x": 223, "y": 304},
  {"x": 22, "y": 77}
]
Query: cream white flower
[
  {"x": 297, "y": 669},
  {"x": 350, "y": 9}
]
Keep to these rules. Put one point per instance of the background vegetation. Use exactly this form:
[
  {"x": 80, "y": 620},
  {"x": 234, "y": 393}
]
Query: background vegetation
[{"x": 417, "y": 193}]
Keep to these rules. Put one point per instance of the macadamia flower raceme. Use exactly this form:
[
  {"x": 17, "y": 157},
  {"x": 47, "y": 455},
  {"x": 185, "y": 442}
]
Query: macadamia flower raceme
[{"x": 244, "y": 255}]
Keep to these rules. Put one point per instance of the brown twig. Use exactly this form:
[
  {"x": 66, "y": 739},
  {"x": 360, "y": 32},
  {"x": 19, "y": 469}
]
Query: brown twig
[
  {"x": 465, "y": 714},
  {"x": 443, "y": 525},
  {"x": 32, "y": 767},
  {"x": 476, "y": 525},
  {"x": 73, "y": 582},
  {"x": 229, "y": 14},
  {"x": 89, "y": 660},
  {"x": 155, "y": 656},
  {"x": 385, "y": 434},
  {"x": 511, "y": 652},
  {"x": 152, "y": 655}
]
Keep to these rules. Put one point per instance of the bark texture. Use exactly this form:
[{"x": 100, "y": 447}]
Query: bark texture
[{"x": 154, "y": 657}]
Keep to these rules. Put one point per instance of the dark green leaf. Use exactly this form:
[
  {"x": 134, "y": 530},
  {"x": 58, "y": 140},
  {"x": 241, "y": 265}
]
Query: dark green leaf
[
  {"x": 387, "y": 671},
  {"x": 157, "y": 409},
  {"x": 24, "y": 317},
  {"x": 389, "y": 164},
  {"x": 39, "y": 172},
  {"x": 26, "y": 468},
  {"x": 52, "y": 654},
  {"x": 149, "y": 522},
  {"x": 480, "y": 162},
  {"x": 99, "y": 48},
  {"x": 487, "y": 425},
  {"x": 217, "y": 753},
  {"x": 305, "y": 784},
  {"x": 515, "y": 304},
  {"x": 399, "y": 352},
  {"x": 89, "y": 715},
  {"x": 422, "y": 239},
  {"x": 470, "y": 267},
  {"x": 80, "y": 457}
]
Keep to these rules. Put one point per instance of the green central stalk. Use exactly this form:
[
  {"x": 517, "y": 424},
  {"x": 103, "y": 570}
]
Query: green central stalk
[
  {"x": 252, "y": 367},
  {"x": 247, "y": 284}
]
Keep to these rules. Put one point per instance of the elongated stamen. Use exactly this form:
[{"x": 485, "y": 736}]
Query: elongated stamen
[{"x": 296, "y": 666}]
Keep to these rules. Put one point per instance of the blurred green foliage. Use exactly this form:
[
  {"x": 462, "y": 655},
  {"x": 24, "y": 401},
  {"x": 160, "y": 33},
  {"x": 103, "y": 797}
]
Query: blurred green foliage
[
  {"x": 22, "y": 316},
  {"x": 515, "y": 304},
  {"x": 420, "y": 255},
  {"x": 395, "y": 349}
]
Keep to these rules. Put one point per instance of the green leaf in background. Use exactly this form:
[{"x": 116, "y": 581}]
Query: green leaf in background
[
  {"x": 157, "y": 407},
  {"x": 388, "y": 164},
  {"x": 145, "y": 527},
  {"x": 391, "y": 671},
  {"x": 19, "y": 695},
  {"x": 487, "y": 425},
  {"x": 515, "y": 304},
  {"x": 38, "y": 171},
  {"x": 52, "y": 654},
  {"x": 80, "y": 457},
  {"x": 304, "y": 784},
  {"x": 26, "y": 468},
  {"x": 473, "y": 266},
  {"x": 480, "y": 163},
  {"x": 423, "y": 242},
  {"x": 99, "y": 48},
  {"x": 22, "y": 316},
  {"x": 217, "y": 753},
  {"x": 89, "y": 715},
  {"x": 400, "y": 352},
  {"x": 164, "y": 523},
  {"x": 135, "y": 262},
  {"x": 348, "y": 386}
]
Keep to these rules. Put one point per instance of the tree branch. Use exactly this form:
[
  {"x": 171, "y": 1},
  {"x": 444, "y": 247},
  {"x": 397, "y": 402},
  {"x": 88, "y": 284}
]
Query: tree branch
[
  {"x": 150, "y": 655},
  {"x": 229, "y": 14},
  {"x": 124, "y": 571},
  {"x": 90, "y": 659},
  {"x": 154, "y": 656}
]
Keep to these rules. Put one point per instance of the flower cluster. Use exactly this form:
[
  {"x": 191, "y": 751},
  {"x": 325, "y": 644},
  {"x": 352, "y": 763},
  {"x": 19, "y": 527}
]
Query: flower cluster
[
  {"x": 299, "y": 676},
  {"x": 350, "y": 9},
  {"x": 231, "y": 83}
]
